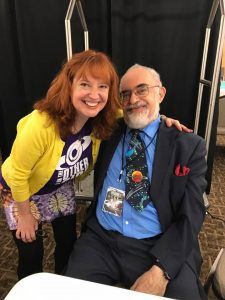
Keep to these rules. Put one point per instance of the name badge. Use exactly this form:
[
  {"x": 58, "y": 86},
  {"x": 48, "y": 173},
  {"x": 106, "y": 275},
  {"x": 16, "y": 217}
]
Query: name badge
[{"x": 113, "y": 203}]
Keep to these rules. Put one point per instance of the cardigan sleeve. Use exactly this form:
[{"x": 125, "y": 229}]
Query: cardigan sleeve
[{"x": 29, "y": 146}]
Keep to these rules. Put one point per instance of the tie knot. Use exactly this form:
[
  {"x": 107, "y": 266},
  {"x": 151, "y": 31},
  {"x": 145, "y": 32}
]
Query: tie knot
[
  {"x": 136, "y": 144},
  {"x": 134, "y": 133}
]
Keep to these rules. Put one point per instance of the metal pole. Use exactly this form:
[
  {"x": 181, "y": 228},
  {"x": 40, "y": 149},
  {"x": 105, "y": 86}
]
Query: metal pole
[
  {"x": 68, "y": 26},
  {"x": 213, "y": 13},
  {"x": 86, "y": 40},
  {"x": 214, "y": 83},
  {"x": 222, "y": 7},
  {"x": 81, "y": 15},
  {"x": 84, "y": 24},
  {"x": 215, "y": 80},
  {"x": 203, "y": 81},
  {"x": 200, "y": 91}
]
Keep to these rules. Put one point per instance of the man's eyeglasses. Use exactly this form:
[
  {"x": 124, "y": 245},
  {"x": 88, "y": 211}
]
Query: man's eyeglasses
[{"x": 140, "y": 91}]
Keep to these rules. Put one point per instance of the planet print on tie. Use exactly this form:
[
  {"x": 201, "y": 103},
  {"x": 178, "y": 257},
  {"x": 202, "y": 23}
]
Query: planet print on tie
[{"x": 137, "y": 176}]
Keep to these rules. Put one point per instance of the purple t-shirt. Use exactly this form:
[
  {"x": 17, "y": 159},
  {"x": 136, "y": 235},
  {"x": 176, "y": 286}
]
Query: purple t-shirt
[{"x": 75, "y": 160}]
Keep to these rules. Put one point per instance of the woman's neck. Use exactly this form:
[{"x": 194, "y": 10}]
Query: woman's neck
[{"x": 78, "y": 124}]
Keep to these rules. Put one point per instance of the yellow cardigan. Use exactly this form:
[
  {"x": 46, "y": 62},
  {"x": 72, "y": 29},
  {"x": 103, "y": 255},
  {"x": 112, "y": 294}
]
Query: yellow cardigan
[{"x": 35, "y": 154}]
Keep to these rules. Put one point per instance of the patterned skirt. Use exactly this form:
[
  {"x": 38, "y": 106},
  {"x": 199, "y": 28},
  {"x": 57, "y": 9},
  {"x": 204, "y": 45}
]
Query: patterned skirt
[{"x": 45, "y": 208}]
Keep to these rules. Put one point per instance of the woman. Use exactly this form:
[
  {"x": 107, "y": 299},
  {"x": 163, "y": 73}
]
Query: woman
[{"x": 56, "y": 142}]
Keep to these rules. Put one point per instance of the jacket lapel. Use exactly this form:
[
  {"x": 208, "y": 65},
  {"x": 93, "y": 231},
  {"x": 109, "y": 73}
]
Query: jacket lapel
[
  {"x": 106, "y": 152},
  {"x": 164, "y": 147}
]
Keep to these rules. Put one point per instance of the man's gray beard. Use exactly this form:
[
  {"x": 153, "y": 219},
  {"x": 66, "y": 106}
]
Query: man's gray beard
[{"x": 141, "y": 120}]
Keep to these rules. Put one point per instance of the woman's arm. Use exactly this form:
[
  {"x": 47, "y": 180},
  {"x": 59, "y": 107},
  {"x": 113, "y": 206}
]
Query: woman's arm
[{"x": 172, "y": 122}]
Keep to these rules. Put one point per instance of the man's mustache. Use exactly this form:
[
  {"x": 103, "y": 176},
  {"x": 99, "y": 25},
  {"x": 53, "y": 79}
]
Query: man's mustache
[{"x": 135, "y": 105}]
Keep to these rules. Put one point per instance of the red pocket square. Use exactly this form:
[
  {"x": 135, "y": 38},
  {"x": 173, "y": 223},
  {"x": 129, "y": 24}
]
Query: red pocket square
[{"x": 181, "y": 171}]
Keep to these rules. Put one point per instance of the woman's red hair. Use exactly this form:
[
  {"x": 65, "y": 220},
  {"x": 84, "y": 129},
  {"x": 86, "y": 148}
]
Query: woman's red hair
[{"x": 57, "y": 102}]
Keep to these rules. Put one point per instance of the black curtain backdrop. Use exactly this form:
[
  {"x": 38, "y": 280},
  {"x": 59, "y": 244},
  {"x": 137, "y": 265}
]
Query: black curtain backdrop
[{"x": 167, "y": 35}]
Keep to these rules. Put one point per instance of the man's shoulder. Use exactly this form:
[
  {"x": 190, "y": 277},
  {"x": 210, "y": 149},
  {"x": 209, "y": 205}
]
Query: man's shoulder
[{"x": 188, "y": 137}]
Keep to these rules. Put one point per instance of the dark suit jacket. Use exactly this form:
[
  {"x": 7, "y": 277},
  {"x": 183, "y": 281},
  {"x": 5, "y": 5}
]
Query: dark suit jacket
[{"x": 178, "y": 199}]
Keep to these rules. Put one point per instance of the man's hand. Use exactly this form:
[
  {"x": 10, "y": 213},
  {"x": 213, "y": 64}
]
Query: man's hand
[
  {"x": 151, "y": 282},
  {"x": 172, "y": 122}
]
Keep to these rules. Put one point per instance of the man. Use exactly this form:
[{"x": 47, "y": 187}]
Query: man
[{"x": 148, "y": 240}]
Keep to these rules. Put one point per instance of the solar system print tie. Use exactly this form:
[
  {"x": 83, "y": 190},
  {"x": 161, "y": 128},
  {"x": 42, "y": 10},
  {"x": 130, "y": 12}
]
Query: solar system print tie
[{"x": 137, "y": 182}]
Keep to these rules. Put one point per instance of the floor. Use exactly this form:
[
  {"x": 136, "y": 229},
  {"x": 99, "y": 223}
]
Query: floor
[{"x": 212, "y": 235}]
